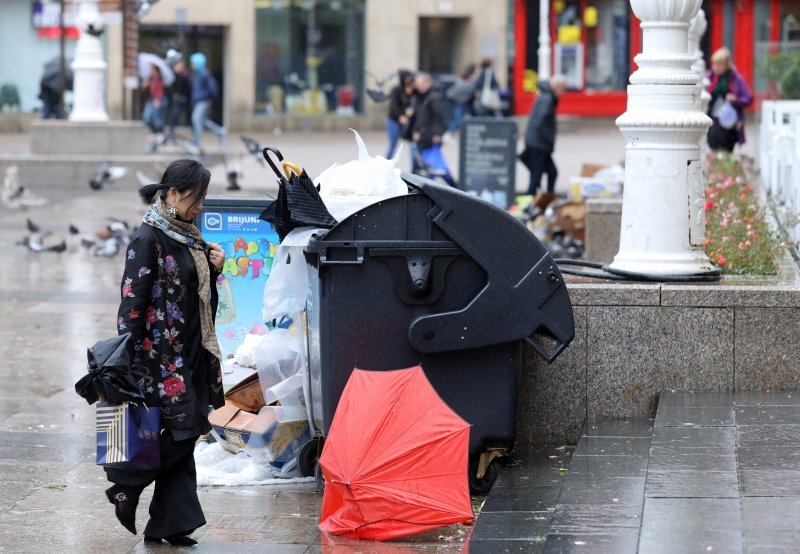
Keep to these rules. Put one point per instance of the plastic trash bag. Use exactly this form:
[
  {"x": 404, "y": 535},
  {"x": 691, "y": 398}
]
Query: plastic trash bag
[
  {"x": 728, "y": 117},
  {"x": 349, "y": 187},
  {"x": 279, "y": 356},
  {"x": 287, "y": 287}
]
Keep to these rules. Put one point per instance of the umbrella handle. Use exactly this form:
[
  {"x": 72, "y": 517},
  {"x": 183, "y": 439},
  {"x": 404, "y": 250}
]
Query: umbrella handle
[
  {"x": 267, "y": 157},
  {"x": 291, "y": 167}
]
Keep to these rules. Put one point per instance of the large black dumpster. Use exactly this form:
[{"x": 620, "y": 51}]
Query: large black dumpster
[{"x": 442, "y": 279}]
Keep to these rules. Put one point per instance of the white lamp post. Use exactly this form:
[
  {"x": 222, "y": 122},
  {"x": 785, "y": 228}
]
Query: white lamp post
[
  {"x": 663, "y": 208},
  {"x": 544, "y": 40},
  {"x": 89, "y": 68},
  {"x": 697, "y": 28}
]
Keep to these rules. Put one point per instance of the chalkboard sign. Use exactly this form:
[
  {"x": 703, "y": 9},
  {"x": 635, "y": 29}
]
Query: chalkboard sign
[{"x": 487, "y": 165}]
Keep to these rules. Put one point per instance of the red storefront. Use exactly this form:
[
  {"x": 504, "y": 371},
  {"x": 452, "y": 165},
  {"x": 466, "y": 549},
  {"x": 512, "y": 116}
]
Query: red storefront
[{"x": 594, "y": 42}]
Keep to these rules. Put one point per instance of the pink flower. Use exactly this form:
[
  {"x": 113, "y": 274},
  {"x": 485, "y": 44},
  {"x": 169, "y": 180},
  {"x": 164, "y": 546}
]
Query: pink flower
[{"x": 722, "y": 260}]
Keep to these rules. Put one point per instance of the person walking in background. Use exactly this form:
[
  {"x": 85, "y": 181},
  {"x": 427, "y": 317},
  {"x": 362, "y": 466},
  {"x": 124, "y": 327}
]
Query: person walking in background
[
  {"x": 155, "y": 107},
  {"x": 180, "y": 93},
  {"x": 730, "y": 96},
  {"x": 488, "y": 89},
  {"x": 168, "y": 305},
  {"x": 50, "y": 101},
  {"x": 540, "y": 134},
  {"x": 462, "y": 95},
  {"x": 399, "y": 109},
  {"x": 204, "y": 90},
  {"x": 429, "y": 127}
]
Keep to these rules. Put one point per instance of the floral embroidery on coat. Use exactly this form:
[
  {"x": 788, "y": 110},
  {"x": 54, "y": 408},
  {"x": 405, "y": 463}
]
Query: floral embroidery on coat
[{"x": 155, "y": 308}]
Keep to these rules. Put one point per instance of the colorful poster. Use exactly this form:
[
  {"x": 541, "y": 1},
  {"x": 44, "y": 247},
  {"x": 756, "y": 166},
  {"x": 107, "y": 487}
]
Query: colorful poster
[{"x": 249, "y": 244}]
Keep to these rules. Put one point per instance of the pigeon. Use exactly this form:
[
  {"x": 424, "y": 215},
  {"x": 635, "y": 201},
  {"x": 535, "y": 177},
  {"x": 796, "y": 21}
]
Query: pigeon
[
  {"x": 106, "y": 174},
  {"x": 32, "y": 227},
  {"x": 108, "y": 249},
  {"x": 73, "y": 230},
  {"x": 15, "y": 195},
  {"x": 58, "y": 248},
  {"x": 35, "y": 241},
  {"x": 86, "y": 243}
]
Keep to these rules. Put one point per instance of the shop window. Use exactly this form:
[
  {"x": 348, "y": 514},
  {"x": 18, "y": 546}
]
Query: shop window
[
  {"x": 592, "y": 43},
  {"x": 607, "y": 45},
  {"x": 442, "y": 44},
  {"x": 309, "y": 56}
]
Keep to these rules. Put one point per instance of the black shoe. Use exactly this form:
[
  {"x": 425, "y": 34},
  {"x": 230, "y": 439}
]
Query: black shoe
[
  {"x": 148, "y": 538},
  {"x": 125, "y": 506},
  {"x": 180, "y": 540}
]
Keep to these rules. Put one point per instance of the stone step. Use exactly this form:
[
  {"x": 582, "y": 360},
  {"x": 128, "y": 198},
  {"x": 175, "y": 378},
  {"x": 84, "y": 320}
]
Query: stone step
[{"x": 39, "y": 171}]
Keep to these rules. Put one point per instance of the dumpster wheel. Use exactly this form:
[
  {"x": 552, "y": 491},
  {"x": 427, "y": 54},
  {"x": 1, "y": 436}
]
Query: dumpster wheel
[
  {"x": 308, "y": 457},
  {"x": 483, "y": 474}
]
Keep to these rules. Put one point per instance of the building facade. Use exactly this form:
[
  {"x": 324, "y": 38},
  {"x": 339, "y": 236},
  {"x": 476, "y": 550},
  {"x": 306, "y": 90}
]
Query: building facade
[{"x": 593, "y": 43}]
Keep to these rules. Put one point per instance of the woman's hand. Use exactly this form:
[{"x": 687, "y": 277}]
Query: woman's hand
[
  {"x": 730, "y": 97},
  {"x": 216, "y": 255}
]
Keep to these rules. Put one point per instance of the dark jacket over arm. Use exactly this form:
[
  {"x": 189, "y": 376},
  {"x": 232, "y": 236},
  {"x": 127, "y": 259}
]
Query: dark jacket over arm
[
  {"x": 398, "y": 102},
  {"x": 429, "y": 120}
]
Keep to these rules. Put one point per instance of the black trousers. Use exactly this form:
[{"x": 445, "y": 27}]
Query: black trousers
[
  {"x": 539, "y": 162},
  {"x": 720, "y": 138},
  {"x": 175, "y": 508}
]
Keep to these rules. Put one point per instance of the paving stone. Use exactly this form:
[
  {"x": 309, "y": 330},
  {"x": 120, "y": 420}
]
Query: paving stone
[
  {"x": 768, "y": 415},
  {"x": 594, "y": 544},
  {"x": 625, "y": 428},
  {"x": 596, "y": 519},
  {"x": 769, "y": 482},
  {"x": 608, "y": 466},
  {"x": 688, "y": 514},
  {"x": 768, "y": 435},
  {"x": 602, "y": 490},
  {"x": 498, "y": 546},
  {"x": 695, "y": 437},
  {"x": 758, "y": 541},
  {"x": 691, "y": 399},
  {"x": 767, "y": 398},
  {"x": 672, "y": 525},
  {"x": 726, "y": 541},
  {"x": 772, "y": 458},
  {"x": 512, "y": 525},
  {"x": 669, "y": 483},
  {"x": 593, "y": 446},
  {"x": 676, "y": 458},
  {"x": 521, "y": 499},
  {"x": 695, "y": 417},
  {"x": 771, "y": 513}
]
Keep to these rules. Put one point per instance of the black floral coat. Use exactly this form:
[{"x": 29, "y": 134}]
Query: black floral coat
[{"x": 160, "y": 308}]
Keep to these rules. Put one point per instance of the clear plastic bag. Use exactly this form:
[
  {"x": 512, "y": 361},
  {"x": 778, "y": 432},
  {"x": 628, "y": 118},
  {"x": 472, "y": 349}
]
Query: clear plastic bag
[{"x": 279, "y": 356}]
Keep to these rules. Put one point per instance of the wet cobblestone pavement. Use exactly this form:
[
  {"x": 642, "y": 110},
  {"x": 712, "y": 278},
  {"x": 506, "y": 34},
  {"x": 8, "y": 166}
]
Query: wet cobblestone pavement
[{"x": 715, "y": 472}]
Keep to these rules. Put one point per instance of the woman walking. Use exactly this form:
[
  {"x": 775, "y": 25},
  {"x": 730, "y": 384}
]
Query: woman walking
[
  {"x": 399, "y": 110},
  {"x": 730, "y": 96},
  {"x": 169, "y": 301}
]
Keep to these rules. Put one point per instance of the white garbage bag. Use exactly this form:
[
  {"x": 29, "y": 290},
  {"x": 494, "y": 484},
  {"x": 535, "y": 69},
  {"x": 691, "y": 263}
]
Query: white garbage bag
[{"x": 349, "y": 187}]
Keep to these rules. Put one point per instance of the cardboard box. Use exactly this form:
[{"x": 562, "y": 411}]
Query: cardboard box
[
  {"x": 239, "y": 428},
  {"x": 247, "y": 395}
]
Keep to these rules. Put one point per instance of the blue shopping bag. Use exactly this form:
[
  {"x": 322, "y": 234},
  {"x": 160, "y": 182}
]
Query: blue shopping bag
[
  {"x": 434, "y": 160},
  {"x": 128, "y": 436}
]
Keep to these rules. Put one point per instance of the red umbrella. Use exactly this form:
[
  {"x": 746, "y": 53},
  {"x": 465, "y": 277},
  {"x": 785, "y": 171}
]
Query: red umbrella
[{"x": 395, "y": 459}]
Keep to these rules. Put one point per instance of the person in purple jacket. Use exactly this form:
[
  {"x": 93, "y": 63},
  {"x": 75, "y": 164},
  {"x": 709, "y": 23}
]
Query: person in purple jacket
[{"x": 730, "y": 96}]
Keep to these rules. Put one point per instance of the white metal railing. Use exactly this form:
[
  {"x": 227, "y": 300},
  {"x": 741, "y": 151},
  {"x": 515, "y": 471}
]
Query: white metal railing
[{"x": 779, "y": 159}]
